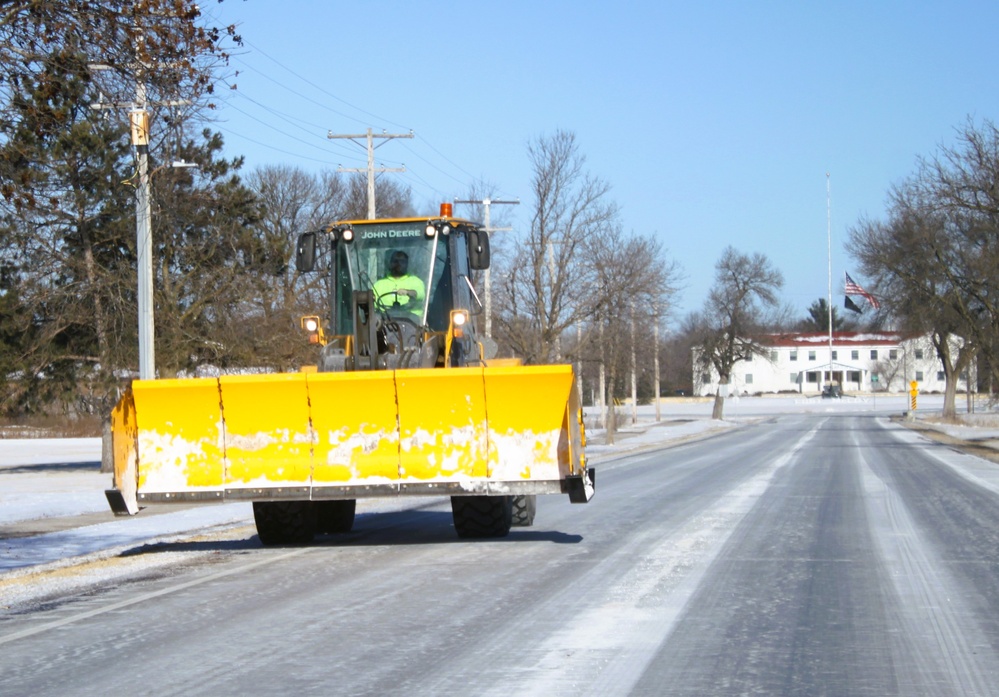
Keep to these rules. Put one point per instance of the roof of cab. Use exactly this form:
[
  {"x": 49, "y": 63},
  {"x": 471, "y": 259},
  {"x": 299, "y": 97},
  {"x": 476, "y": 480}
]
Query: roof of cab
[{"x": 422, "y": 219}]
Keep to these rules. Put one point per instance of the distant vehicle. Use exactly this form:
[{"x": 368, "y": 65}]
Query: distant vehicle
[{"x": 832, "y": 391}]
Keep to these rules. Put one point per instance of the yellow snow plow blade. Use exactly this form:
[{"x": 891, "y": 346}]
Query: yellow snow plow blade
[{"x": 510, "y": 430}]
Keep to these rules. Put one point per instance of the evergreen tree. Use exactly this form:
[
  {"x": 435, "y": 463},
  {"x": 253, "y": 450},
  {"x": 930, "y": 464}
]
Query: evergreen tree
[
  {"x": 818, "y": 318},
  {"x": 64, "y": 217}
]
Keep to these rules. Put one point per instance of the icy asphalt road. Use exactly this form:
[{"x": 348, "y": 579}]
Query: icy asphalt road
[
  {"x": 53, "y": 510},
  {"x": 822, "y": 553}
]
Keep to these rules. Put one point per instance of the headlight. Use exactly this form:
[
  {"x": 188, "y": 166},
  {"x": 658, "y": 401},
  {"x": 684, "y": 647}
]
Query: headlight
[
  {"x": 460, "y": 318},
  {"x": 310, "y": 324},
  {"x": 347, "y": 235},
  {"x": 431, "y": 230}
]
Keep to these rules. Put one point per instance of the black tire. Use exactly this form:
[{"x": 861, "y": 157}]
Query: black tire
[
  {"x": 524, "y": 510},
  {"x": 334, "y": 517},
  {"x": 284, "y": 522},
  {"x": 482, "y": 516}
]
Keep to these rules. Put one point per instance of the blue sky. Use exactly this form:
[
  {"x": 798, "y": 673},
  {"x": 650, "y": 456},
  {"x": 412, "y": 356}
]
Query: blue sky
[{"x": 715, "y": 123}]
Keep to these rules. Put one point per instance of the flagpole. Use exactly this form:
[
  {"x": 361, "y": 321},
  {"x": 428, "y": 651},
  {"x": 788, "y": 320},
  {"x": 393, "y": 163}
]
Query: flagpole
[{"x": 829, "y": 299}]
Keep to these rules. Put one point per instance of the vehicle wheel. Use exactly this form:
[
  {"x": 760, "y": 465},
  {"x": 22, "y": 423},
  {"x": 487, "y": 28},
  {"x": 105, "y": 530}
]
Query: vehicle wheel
[
  {"x": 335, "y": 516},
  {"x": 284, "y": 522},
  {"x": 482, "y": 516},
  {"x": 524, "y": 509}
]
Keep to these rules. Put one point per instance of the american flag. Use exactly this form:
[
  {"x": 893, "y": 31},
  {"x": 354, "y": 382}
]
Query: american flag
[{"x": 853, "y": 289}]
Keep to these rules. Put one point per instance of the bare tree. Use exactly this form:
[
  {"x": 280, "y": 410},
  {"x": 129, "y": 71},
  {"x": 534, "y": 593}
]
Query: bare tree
[
  {"x": 548, "y": 286},
  {"x": 923, "y": 268},
  {"x": 292, "y": 201},
  {"x": 887, "y": 370},
  {"x": 392, "y": 200},
  {"x": 735, "y": 316},
  {"x": 963, "y": 183},
  {"x": 634, "y": 283}
]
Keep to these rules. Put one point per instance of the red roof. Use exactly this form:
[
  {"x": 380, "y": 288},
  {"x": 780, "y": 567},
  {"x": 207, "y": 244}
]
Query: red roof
[{"x": 839, "y": 339}]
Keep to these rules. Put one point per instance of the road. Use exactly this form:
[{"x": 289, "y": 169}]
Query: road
[{"x": 801, "y": 555}]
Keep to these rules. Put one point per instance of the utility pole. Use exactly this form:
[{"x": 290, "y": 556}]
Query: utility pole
[
  {"x": 371, "y": 169},
  {"x": 138, "y": 116},
  {"x": 486, "y": 203}
]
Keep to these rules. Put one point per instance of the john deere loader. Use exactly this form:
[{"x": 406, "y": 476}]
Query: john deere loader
[{"x": 404, "y": 401}]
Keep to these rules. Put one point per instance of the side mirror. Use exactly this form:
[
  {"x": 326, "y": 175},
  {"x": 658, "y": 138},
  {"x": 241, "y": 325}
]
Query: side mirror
[
  {"x": 305, "y": 252},
  {"x": 478, "y": 250}
]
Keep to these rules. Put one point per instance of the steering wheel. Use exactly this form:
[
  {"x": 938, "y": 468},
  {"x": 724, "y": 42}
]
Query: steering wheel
[{"x": 397, "y": 293}]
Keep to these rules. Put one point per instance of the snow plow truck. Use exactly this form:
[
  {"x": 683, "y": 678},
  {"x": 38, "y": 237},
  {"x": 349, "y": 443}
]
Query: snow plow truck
[{"x": 405, "y": 400}]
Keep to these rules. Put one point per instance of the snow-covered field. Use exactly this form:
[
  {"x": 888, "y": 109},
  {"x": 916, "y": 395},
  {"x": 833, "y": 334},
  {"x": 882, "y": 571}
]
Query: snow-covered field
[{"x": 50, "y": 478}]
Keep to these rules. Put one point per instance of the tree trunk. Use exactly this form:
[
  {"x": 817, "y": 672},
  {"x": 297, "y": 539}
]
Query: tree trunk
[
  {"x": 612, "y": 413},
  {"x": 93, "y": 287},
  {"x": 718, "y": 411},
  {"x": 950, "y": 396}
]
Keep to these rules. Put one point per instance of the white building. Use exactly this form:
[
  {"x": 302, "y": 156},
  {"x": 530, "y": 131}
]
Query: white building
[{"x": 856, "y": 361}]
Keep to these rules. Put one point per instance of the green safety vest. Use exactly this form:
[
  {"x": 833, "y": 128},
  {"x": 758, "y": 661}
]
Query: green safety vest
[{"x": 386, "y": 299}]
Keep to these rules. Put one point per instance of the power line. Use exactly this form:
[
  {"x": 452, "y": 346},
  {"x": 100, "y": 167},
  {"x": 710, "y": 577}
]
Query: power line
[
  {"x": 323, "y": 91},
  {"x": 299, "y": 94},
  {"x": 274, "y": 128},
  {"x": 314, "y": 85},
  {"x": 272, "y": 147}
]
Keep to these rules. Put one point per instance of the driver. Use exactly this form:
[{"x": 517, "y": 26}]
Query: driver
[{"x": 399, "y": 289}]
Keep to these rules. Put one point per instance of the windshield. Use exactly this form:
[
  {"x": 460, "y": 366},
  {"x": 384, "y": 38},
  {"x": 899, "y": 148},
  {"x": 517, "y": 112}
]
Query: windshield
[{"x": 408, "y": 272}]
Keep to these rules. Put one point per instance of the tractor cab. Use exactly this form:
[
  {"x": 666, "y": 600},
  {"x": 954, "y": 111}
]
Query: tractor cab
[{"x": 396, "y": 288}]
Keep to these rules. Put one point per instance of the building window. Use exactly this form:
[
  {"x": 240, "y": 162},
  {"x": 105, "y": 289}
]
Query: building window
[
  {"x": 811, "y": 355},
  {"x": 893, "y": 354},
  {"x": 794, "y": 355},
  {"x": 749, "y": 378},
  {"x": 812, "y": 377},
  {"x": 773, "y": 356},
  {"x": 835, "y": 355},
  {"x": 874, "y": 354},
  {"x": 794, "y": 378},
  {"x": 919, "y": 354},
  {"x": 705, "y": 378},
  {"x": 940, "y": 376},
  {"x": 855, "y": 355},
  {"x": 853, "y": 376},
  {"x": 919, "y": 376}
]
